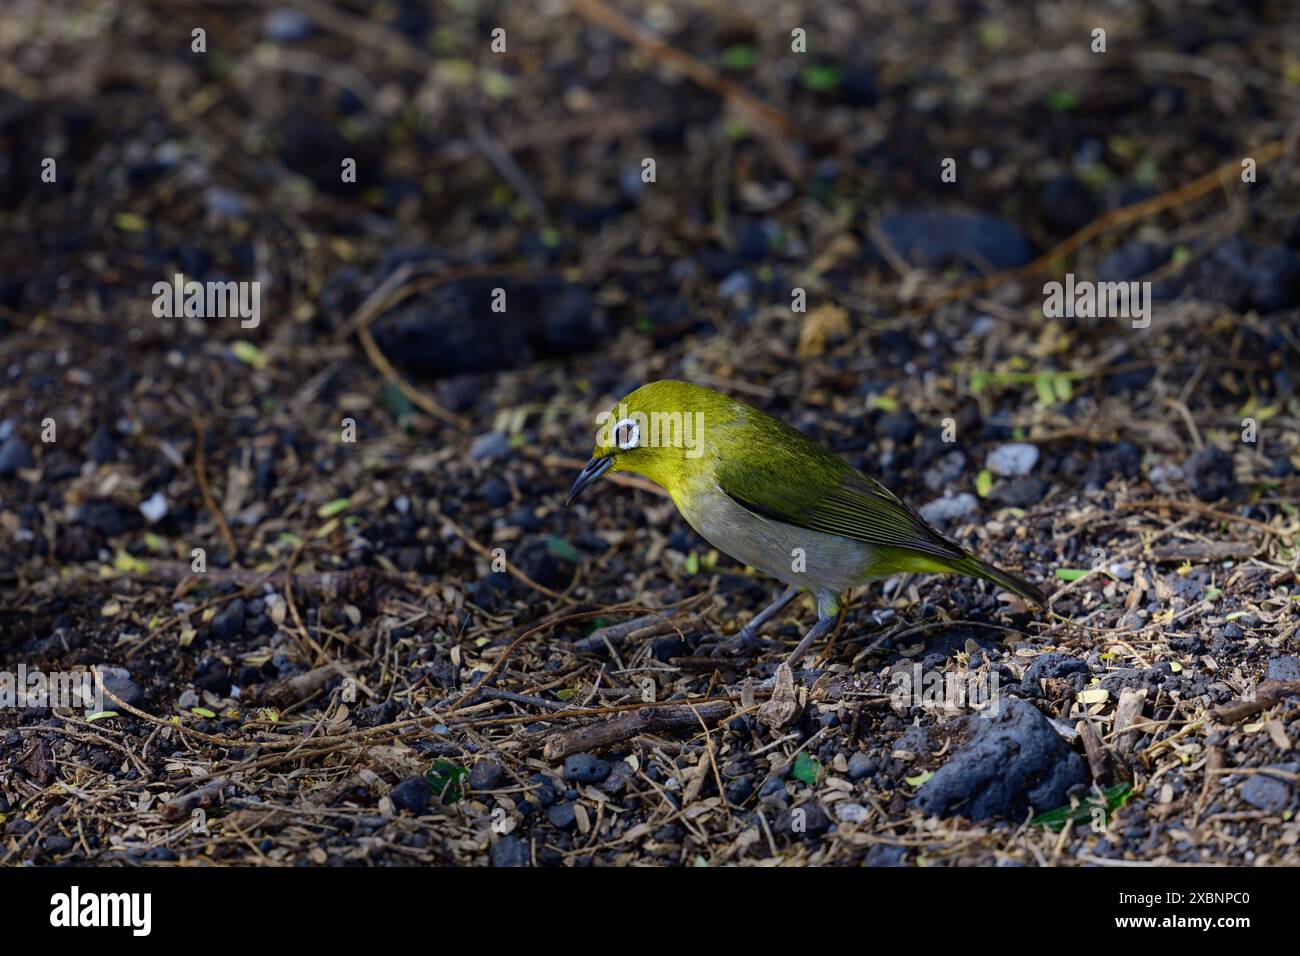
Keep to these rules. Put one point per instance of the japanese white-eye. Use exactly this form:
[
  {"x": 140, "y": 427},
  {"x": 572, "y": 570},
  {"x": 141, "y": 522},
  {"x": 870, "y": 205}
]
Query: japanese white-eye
[{"x": 775, "y": 500}]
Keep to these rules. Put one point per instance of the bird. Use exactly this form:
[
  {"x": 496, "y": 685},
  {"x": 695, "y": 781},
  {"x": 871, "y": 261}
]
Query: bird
[{"x": 775, "y": 500}]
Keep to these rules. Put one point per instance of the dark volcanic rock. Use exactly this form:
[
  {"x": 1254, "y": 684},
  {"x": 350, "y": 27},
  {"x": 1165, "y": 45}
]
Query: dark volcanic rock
[
  {"x": 1283, "y": 668},
  {"x": 1273, "y": 794},
  {"x": 14, "y": 455},
  {"x": 1012, "y": 762},
  {"x": 101, "y": 446},
  {"x": 808, "y": 821},
  {"x": 118, "y": 680},
  {"x": 1243, "y": 275},
  {"x": 1053, "y": 664},
  {"x": 229, "y": 622},
  {"x": 1020, "y": 492},
  {"x": 412, "y": 794},
  {"x": 1132, "y": 261},
  {"x": 1123, "y": 460},
  {"x": 1066, "y": 204},
  {"x": 510, "y": 851},
  {"x": 586, "y": 768},
  {"x": 1209, "y": 473},
  {"x": 485, "y": 775},
  {"x": 933, "y": 240},
  {"x": 453, "y": 329}
]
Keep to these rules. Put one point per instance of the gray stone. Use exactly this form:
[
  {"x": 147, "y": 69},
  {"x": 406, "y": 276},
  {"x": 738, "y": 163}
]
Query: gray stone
[
  {"x": 490, "y": 445},
  {"x": 14, "y": 456},
  {"x": 510, "y": 851},
  {"x": 586, "y": 768},
  {"x": 1269, "y": 793},
  {"x": 942, "y": 510},
  {"x": 118, "y": 680},
  {"x": 1283, "y": 668},
  {"x": 1013, "y": 459},
  {"x": 485, "y": 775}
]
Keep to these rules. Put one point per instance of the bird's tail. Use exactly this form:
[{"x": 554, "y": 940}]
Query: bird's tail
[{"x": 1004, "y": 579}]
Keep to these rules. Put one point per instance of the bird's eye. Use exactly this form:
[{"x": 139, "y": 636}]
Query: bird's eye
[{"x": 626, "y": 434}]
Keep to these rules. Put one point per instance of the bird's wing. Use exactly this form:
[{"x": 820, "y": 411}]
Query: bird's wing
[{"x": 794, "y": 480}]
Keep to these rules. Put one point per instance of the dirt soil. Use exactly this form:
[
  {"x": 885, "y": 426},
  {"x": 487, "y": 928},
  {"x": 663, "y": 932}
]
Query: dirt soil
[{"x": 403, "y": 650}]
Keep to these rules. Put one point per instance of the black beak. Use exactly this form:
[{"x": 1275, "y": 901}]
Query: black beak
[{"x": 595, "y": 468}]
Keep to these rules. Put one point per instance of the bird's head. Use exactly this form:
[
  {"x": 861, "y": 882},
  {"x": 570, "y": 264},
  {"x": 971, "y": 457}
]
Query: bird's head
[{"x": 661, "y": 430}]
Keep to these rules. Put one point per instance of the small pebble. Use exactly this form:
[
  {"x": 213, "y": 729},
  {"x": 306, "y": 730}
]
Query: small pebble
[
  {"x": 1013, "y": 460},
  {"x": 586, "y": 768}
]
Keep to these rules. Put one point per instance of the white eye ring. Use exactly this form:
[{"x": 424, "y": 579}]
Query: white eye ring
[{"x": 634, "y": 433}]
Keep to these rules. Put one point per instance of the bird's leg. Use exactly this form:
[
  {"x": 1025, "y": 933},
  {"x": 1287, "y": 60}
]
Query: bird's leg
[
  {"x": 824, "y": 623},
  {"x": 746, "y": 637},
  {"x": 748, "y": 632}
]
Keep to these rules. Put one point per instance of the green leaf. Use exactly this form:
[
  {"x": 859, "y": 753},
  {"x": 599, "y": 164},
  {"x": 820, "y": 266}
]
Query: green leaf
[
  {"x": 129, "y": 222},
  {"x": 395, "y": 400},
  {"x": 1062, "y": 388},
  {"x": 202, "y": 712},
  {"x": 984, "y": 483},
  {"x": 919, "y": 779},
  {"x": 736, "y": 129},
  {"x": 332, "y": 508},
  {"x": 248, "y": 353},
  {"x": 560, "y": 548},
  {"x": 129, "y": 564},
  {"x": 1043, "y": 386},
  {"x": 805, "y": 769},
  {"x": 1059, "y": 101},
  {"x": 1112, "y": 798},
  {"x": 100, "y": 715},
  {"x": 821, "y": 79},
  {"x": 692, "y": 563},
  {"x": 738, "y": 57},
  {"x": 447, "y": 781},
  {"x": 1071, "y": 574}
]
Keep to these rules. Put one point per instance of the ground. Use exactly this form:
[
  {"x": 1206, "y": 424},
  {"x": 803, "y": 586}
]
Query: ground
[{"x": 403, "y": 649}]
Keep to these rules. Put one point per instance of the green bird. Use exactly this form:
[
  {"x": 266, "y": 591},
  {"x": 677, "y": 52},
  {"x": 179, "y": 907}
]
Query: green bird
[{"x": 775, "y": 500}]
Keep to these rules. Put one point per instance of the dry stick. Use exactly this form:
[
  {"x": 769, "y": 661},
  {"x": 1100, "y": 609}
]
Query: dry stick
[
  {"x": 1202, "y": 509},
  {"x": 1267, "y": 694},
  {"x": 484, "y": 552},
  {"x": 1115, "y": 219},
  {"x": 414, "y": 395},
  {"x": 202, "y": 479},
  {"x": 500, "y": 662},
  {"x": 580, "y": 739},
  {"x": 383, "y": 297},
  {"x": 307, "y": 639},
  {"x": 186, "y": 803},
  {"x": 396, "y": 289}
]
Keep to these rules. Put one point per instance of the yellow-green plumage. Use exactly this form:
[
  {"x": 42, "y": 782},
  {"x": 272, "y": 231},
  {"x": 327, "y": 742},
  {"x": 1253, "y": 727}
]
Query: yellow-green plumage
[{"x": 771, "y": 497}]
